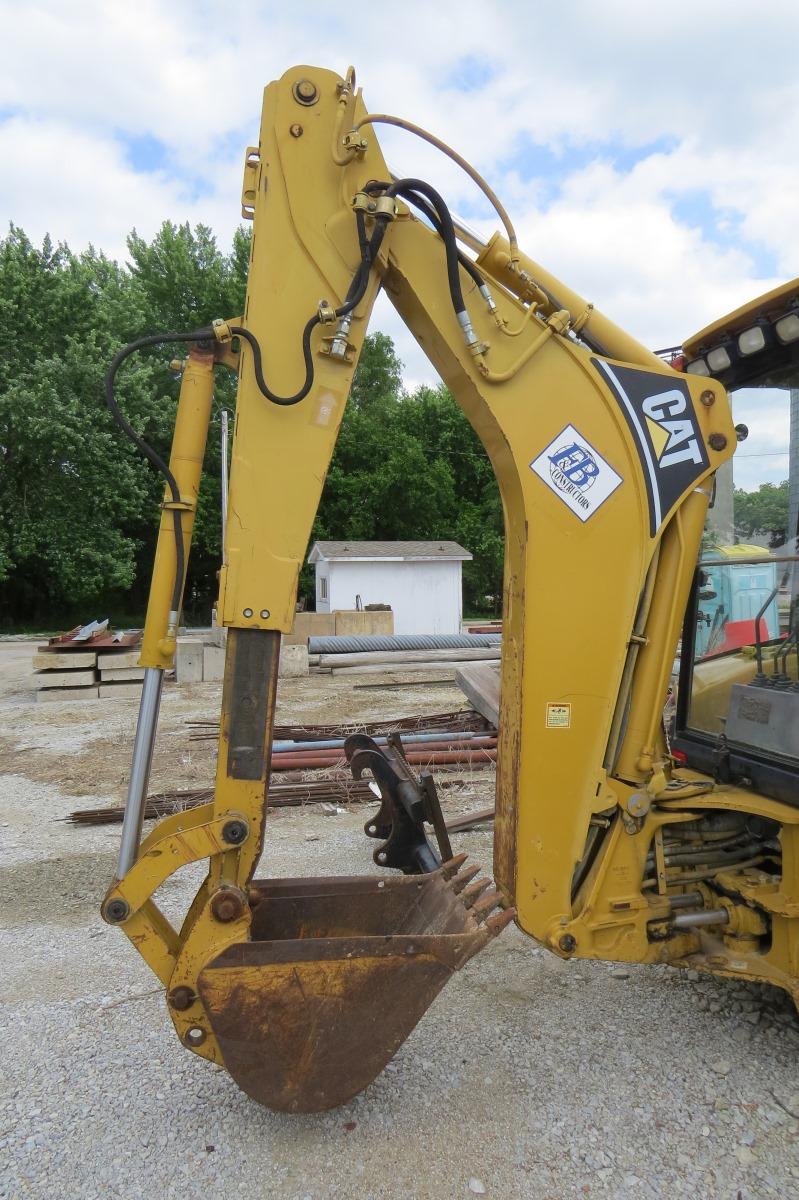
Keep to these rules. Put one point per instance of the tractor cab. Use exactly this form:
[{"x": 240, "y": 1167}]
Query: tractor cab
[{"x": 737, "y": 715}]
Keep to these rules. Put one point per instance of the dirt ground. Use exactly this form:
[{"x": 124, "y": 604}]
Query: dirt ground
[{"x": 529, "y": 1076}]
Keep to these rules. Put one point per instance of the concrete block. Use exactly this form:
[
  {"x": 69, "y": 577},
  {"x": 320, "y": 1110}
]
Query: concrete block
[
  {"x": 351, "y": 622},
  {"x": 189, "y": 661},
  {"x": 117, "y": 660},
  {"x": 213, "y": 663},
  {"x": 119, "y": 691},
  {"x": 123, "y": 675},
  {"x": 63, "y": 679},
  {"x": 63, "y": 660},
  {"x": 293, "y": 662},
  {"x": 310, "y": 624},
  {"x": 70, "y": 693}
]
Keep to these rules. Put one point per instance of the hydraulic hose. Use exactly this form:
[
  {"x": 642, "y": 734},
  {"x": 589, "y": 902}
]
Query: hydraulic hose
[
  {"x": 156, "y": 339},
  {"x": 355, "y": 293},
  {"x": 418, "y": 187},
  {"x": 421, "y": 203}
]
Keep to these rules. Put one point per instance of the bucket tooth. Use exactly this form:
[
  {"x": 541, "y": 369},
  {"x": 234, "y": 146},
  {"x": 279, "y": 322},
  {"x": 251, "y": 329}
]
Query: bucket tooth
[
  {"x": 500, "y": 921},
  {"x": 487, "y": 904},
  {"x": 453, "y": 865},
  {"x": 474, "y": 891},
  {"x": 465, "y": 877}
]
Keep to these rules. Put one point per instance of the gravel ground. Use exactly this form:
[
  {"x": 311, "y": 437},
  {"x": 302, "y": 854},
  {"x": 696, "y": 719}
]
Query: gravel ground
[{"x": 528, "y": 1078}]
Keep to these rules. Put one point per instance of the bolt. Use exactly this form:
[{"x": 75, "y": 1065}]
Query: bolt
[
  {"x": 568, "y": 944},
  {"x": 707, "y": 398},
  {"x": 194, "y": 1036},
  {"x": 638, "y": 804},
  {"x": 247, "y": 612},
  {"x": 741, "y": 432},
  {"x": 117, "y": 911},
  {"x": 296, "y": 131},
  {"x": 305, "y": 91},
  {"x": 227, "y": 905},
  {"x": 264, "y": 614},
  {"x": 235, "y": 832},
  {"x": 182, "y": 998},
  {"x": 717, "y": 441}
]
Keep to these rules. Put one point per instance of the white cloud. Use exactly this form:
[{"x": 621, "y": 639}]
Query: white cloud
[{"x": 713, "y": 83}]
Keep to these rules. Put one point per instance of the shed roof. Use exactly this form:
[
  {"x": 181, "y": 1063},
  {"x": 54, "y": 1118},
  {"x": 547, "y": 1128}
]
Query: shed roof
[{"x": 391, "y": 551}]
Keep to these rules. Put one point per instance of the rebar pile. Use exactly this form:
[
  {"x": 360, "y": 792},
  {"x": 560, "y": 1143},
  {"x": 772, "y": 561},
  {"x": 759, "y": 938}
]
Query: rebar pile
[{"x": 206, "y": 730}]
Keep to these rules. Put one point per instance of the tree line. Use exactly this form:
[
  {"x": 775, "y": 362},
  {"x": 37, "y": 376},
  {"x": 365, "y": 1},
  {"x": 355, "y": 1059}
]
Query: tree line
[{"x": 78, "y": 504}]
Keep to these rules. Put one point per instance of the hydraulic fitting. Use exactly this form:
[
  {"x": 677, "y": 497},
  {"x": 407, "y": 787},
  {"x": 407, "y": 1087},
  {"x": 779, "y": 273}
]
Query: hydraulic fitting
[
  {"x": 469, "y": 336},
  {"x": 489, "y": 299},
  {"x": 339, "y": 346}
]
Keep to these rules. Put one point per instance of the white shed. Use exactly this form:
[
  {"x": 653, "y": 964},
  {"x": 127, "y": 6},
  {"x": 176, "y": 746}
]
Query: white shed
[{"x": 420, "y": 580}]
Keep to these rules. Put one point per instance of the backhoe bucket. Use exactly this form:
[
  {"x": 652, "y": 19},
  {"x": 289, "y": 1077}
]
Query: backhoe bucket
[{"x": 337, "y": 973}]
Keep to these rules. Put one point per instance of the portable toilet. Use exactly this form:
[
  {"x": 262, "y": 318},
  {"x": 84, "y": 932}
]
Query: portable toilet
[{"x": 734, "y": 594}]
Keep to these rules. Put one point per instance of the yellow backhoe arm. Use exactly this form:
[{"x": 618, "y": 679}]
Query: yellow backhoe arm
[{"x": 605, "y": 458}]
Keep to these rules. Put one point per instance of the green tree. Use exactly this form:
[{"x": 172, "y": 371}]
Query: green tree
[
  {"x": 181, "y": 281},
  {"x": 411, "y": 467},
  {"x": 78, "y": 504},
  {"x": 65, "y": 495},
  {"x": 763, "y": 511}
]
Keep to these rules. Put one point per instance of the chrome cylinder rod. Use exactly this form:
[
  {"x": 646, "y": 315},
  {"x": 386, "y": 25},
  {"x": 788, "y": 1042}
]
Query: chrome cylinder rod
[
  {"x": 686, "y": 900},
  {"x": 709, "y": 916},
  {"x": 143, "y": 746},
  {"x": 223, "y": 417}
]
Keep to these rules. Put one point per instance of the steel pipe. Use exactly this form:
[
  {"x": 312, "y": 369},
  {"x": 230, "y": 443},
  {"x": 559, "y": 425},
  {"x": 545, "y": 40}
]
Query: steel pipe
[
  {"x": 143, "y": 746},
  {"x": 300, "y": 746}
]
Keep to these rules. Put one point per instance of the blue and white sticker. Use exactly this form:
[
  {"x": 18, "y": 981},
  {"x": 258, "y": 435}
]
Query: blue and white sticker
[{"x": 576, "y": 472}]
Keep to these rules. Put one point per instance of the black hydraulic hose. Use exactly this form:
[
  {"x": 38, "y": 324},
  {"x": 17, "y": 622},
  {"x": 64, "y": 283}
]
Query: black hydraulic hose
[
  {"x": 423, "y": 205},
  {"x": 355, "y": 293},
  {"x": 257, "y": 362},
  {"x": 419, "y": 187},
  {"x": 156, "y": 339}
]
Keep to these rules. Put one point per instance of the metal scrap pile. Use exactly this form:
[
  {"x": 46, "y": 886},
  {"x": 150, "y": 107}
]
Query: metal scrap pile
[
  {"x": 443, "y": 740},
  {"x": 439, "y": 740}
]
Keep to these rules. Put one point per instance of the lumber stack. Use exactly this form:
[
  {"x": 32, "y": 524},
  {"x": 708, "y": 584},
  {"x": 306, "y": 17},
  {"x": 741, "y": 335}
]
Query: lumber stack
[
  {"x": 65, "y": 674},
  {"x": 119, "y": 674},
  {"x": 479, "y": 682},
  {"x": 98, "y": 666}
]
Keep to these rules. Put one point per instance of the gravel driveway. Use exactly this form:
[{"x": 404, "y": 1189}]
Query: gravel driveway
[{"x": 529, "y": 1077}]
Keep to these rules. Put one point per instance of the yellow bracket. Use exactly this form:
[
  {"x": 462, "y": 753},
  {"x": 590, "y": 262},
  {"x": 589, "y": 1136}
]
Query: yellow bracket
[
  {"x": 252, "y": 178},
  {"x": 168, "y": 854}
]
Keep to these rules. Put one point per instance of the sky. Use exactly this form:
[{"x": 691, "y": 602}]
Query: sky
[{"x": 649, "y": 154}]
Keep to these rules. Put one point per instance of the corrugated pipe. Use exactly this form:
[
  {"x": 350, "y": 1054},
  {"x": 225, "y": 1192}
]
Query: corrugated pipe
[{"x": 402, "y": 641}]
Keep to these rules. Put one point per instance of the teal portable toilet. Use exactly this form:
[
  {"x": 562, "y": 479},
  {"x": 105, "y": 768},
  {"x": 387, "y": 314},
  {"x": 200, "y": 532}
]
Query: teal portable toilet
[{"x": 731, "y": 599}]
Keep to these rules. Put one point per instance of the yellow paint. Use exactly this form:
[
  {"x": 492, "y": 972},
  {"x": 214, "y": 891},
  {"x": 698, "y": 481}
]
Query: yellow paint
[
  {"x": 658, "y": 435},
  {"x": 185, "y": 463}
]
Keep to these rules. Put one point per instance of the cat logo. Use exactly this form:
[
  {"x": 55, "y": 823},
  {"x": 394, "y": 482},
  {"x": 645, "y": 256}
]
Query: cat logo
[
  {"x": 671, "y": 431},
  {"x": 660, "y": 415}
]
